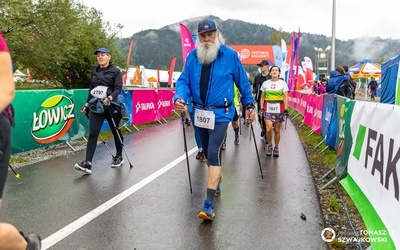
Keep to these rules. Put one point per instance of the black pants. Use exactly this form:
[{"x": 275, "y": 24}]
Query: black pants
[
  {"x": 5, "y": 150},
  {"x": 96, "y": 121}
]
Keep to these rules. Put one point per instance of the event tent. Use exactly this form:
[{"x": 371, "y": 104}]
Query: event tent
[
  {"x": 390, "y": 83},
  {"x": 365, "y": 69}
]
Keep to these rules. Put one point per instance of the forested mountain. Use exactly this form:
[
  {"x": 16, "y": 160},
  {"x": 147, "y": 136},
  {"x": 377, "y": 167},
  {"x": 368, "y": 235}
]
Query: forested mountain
[{"x": 155, "y": 48}]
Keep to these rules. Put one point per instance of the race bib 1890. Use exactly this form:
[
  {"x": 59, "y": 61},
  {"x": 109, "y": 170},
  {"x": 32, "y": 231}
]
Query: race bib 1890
[
  {"x": 204, "y": 119},
  {"x": 274, "y": 108}
]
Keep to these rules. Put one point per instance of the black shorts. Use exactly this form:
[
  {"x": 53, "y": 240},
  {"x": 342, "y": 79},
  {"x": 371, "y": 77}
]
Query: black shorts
[{"x": 212, "y": 140}]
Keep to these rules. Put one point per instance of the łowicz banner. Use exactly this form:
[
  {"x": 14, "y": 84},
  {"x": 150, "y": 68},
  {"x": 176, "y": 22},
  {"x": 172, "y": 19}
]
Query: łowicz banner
[
  {"x": 47, "y": 117},
  {"x": 187, "y": 42}
]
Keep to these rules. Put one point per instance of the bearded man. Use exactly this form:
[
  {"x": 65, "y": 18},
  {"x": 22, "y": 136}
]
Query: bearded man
[{"x": 208, "y": 79}]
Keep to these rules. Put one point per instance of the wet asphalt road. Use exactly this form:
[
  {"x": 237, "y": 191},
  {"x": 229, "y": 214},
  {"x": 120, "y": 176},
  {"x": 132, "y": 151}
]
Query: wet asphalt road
[{"x": 150, "y": 206}]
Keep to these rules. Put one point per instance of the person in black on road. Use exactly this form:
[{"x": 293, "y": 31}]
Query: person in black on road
[
  {"x": 373, "y": 85},
  {"x": 258, "y": 81},
  {"x": 105, "y": 77}
]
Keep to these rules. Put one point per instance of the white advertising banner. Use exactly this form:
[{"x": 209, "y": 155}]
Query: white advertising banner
[{"x": 374, "y": 161}]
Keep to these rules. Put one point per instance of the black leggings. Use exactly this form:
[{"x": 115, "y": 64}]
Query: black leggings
[
  {"x": 5, "y": 150},
  {"x": 96, "y": 121}
]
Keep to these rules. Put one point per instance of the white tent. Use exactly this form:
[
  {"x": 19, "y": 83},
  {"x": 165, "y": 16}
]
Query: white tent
[
  {"x": 19, "y": 76},
  {"x": 147, "y": 73}
]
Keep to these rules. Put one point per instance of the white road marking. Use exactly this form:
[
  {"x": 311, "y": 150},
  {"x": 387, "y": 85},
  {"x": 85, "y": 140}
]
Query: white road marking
[{"x": 72, "y": 227}]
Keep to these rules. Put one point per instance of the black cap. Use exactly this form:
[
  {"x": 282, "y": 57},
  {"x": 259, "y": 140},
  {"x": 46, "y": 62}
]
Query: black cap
[{"x": 263, "y": 63}]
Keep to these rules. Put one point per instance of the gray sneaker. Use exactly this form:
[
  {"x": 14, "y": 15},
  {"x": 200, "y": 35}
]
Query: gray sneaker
[
  {"x": 117, "y": 161},
  {"x": 84, "y": 166},
  {"x": 269, "y": 149},
  {"x": 276, "y": 152}
]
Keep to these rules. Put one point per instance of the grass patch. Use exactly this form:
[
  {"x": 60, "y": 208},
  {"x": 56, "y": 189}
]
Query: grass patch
[
  {"x": 336, "y": 245},
  {"x": 14, "y": 160},
  {"x": 334, "y": 203}
]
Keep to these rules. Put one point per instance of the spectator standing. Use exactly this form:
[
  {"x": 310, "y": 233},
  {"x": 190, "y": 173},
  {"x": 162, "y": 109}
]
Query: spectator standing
[
  {"x": 319, "y": 86},
  {"x": 373, "y": 86},
  {"x": 352, "y": 82}
]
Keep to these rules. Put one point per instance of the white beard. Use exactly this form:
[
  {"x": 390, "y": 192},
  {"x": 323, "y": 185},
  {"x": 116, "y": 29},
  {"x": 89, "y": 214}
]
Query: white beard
[{"x": 207, "y": 52}]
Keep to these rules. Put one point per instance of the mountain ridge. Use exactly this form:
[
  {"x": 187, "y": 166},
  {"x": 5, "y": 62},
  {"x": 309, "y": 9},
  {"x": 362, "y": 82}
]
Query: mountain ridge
[{"x": 154, "y": 48}]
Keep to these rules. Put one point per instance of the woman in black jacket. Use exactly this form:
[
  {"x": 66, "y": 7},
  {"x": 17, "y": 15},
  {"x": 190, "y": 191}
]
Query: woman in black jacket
[{"x": 105, "y": 86}]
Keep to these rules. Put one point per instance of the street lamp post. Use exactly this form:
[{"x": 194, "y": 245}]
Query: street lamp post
[
  {"x": 333, "y": 34},
  {"x": 321, "y": 60}
]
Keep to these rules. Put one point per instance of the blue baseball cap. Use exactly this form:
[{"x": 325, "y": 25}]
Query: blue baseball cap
[
  {"x": 205, "y": 26},
  {"x": 103, "y": 50}
]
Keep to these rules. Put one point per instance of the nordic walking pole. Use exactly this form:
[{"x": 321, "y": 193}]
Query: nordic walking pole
[
  {"x": 185, "y": 148},
  {"x": 119, "y": 137},
  {"x": 15, "y": 173},
  {"x": 255, "y": 144},
  {"x": 286, "y": 116},
  {"x": 102, "y": 140},
  {"x": 286, "y": 121}
]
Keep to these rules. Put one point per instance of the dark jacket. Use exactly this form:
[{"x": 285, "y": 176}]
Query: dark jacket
[
  {"x": 110, "y": 77},
  {"x": 258, "y": 81},
  {"x": 373, "y": 84}
]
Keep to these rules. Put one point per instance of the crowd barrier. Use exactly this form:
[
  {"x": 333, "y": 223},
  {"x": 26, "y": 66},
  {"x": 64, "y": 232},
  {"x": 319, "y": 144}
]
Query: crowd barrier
[
  {"x": 366, "y": 140},
  {"x": 48, "y": 117}
]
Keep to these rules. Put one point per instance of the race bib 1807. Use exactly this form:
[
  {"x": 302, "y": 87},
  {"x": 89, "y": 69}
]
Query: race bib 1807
[{"x": 204, "y": 119}]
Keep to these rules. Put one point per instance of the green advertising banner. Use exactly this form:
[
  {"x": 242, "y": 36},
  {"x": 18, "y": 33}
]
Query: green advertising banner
[{"x": 47, "y": 117}]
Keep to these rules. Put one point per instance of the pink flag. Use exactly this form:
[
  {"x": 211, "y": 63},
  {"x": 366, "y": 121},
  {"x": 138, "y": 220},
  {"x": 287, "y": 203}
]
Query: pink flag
[
  {"x": 171, "y": 70},
  {"x": 187, "y": 42}
]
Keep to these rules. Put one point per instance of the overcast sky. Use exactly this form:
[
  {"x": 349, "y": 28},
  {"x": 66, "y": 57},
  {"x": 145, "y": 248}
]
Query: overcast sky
[{"x": 354, "y": 18}]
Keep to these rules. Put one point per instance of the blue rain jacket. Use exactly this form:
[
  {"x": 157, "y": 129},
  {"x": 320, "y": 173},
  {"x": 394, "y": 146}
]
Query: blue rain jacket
[{"x": 226, "y": 71}]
